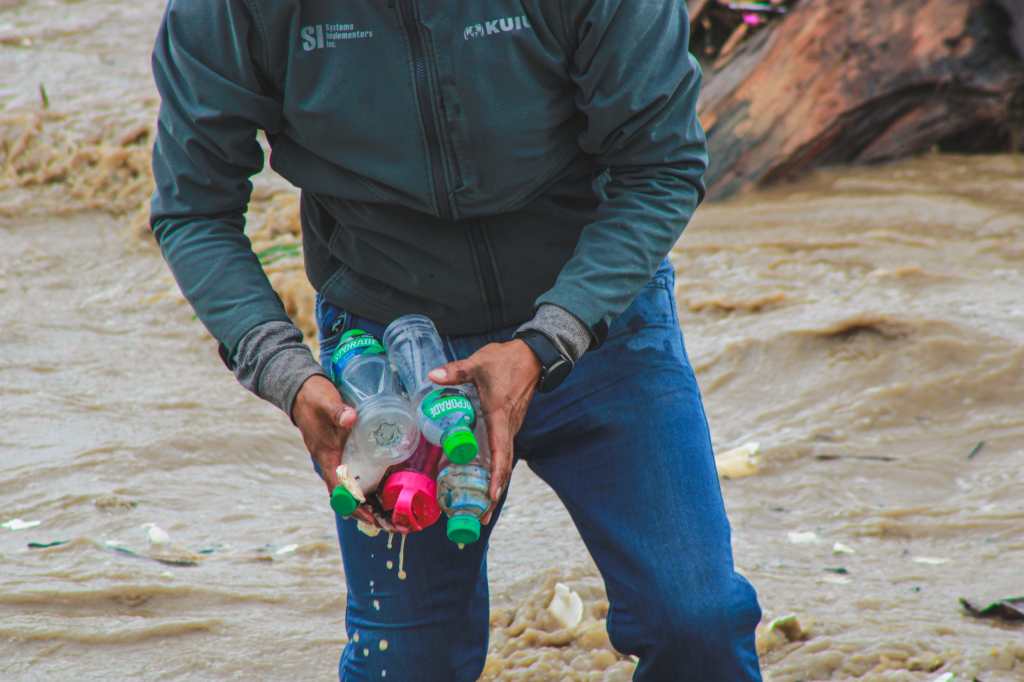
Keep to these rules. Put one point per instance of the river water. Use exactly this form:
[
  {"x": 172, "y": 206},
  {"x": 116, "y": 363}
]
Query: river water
[{"x": 864, "y": 326}]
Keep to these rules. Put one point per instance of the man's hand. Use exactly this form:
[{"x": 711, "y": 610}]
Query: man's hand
[
  {"x": 326, "y": 422},
  {"x": 506, "y": 376}
]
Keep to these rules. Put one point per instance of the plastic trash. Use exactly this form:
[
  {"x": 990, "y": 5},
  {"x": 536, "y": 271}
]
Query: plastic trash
[
  {"x": 156, "y": 534},
  {"x": 803, "y": 537},
  {"x": 1008, "y": 609},
  {"x": 19, "y": 524},
  {"x": 840, "y": 548},
  {"x": 739, "y": 462},
  {"x": 446, "y": 414},
  {"x": 566, "y": 606},
  {"x": 386, "y": 432},
  {"x": 789, "y": 626}
]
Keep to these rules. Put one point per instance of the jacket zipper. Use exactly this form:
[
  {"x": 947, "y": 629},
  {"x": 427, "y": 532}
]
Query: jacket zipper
[
  {"x": 421, "y": 83},
  {"x": 488, "y": 273}
]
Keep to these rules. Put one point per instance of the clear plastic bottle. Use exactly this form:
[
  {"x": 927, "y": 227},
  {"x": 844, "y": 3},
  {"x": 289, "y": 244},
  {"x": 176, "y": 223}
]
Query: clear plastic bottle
[
  {"x": 463, "y": 491},
  {"x": 386, "y": 431},
  {"x": 446, "y": 414}
]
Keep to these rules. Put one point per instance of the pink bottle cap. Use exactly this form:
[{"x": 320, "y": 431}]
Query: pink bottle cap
[{"x": 411, "y": 497}]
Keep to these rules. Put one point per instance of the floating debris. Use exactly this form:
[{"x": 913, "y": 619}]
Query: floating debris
[
  {"x": 44, "y": 545},
  {"x": 156, "y": 534},
  {"x": 977, "y": 448},
  {"x": 778, "y": 633},
  {"x": 19, "y": 524},
  {"x": 1008, "y": 609},
  {"x": 945, "y": 677},
  {"x": 119, "y": 547},
  {"x": 836, "y": 579},
  {"x": 789, "y": 626},
  {"x": 832, "y": 457},
  {"x": 177, "y": 557},
  {"x": 838, "y": 570},
  {"x": 840, "y": 548},
  {"x": 930, "y": 560},
  {"x": 739, "y": 462},
  {"x": 803, "y": 537},
  {"x": 566, "y": 606},
  {"x": 287, "y": 549}
]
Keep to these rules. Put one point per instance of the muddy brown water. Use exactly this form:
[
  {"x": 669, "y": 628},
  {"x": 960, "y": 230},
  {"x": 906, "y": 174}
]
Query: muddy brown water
[{"x": 864, "y": 326}]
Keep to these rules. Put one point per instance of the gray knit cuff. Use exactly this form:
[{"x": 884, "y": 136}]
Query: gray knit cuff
[
  {"x": 565, "y": 330},
  {"x": 274, "y": 363}
]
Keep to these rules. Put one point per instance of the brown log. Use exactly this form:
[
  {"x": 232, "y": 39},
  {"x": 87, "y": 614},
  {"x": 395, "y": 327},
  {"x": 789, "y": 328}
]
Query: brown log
[{"x": 835, "y": 81}]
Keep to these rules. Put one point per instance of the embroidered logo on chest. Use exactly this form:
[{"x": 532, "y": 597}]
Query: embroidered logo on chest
[
  {"x": 321, "y": 36},
  {"x": 496, "y": 26}
]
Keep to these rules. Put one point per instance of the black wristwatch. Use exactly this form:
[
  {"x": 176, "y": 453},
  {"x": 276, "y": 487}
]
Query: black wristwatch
[{"x": 554, "y": 367}]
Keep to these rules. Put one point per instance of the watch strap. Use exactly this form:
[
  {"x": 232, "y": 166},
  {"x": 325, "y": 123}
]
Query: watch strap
[{"x": 554, "y": 366}]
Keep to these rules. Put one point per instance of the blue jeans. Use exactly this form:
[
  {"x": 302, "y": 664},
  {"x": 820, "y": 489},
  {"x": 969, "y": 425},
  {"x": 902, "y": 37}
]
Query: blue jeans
[{"x": 624, "y": 443}]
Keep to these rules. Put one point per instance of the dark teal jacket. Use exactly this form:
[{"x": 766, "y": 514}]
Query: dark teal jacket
[{"x": 466, "y": 159}]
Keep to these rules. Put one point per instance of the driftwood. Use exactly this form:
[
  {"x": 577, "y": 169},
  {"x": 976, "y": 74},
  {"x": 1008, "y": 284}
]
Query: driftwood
[{"x": 833, "y": 81}]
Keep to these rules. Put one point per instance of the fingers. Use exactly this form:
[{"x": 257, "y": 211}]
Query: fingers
[
  {"x": 500, "y": 437},
  {"x": 364, "y": 514},
  {"x": 344, "y": 419},
  {"x": 486, "y": 518},
  {"x": 454, "y": 373},
  {"x": 329, "y": 467}
]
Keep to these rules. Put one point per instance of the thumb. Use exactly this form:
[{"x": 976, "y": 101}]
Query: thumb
[
  {"x": 454, "y": 373},
  {"x": 345, "y": 418}
]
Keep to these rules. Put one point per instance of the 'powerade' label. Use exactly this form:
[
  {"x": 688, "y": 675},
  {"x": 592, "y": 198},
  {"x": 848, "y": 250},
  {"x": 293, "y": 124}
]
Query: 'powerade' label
[
  {"x": 447, "y": 405},
  {"x": 354, "y": 342}
]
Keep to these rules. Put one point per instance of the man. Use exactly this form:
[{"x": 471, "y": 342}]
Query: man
[{"x": 517, "y": 170}]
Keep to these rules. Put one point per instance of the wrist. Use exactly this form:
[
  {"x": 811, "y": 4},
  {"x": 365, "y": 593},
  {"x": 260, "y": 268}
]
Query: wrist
[
  {"x": 285, "y": 375},
  {"x": 554, "y": 365},
  {"x": 307, "y": 397},
  {"x": 274, "y": 363},
  {"x": 529, "y": 359}
]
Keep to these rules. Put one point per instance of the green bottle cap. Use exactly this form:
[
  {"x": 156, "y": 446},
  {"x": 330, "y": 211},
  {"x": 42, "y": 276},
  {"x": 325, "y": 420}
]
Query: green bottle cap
[
  {"x": 460, "y": 444},
  {"x": 343, "y": 502},
  {"x": 463, "y": 529}
]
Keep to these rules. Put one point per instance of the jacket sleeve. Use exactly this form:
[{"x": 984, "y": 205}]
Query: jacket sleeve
[
  {"x": 205, "y": 152},
  {"x": 637, "y": 86}
]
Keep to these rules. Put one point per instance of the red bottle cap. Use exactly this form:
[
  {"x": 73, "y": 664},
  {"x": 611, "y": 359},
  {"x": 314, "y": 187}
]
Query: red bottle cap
[{"x": 411, "y": 498}]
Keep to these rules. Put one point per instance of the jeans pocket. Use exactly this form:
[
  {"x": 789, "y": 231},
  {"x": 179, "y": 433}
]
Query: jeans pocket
[{"x": 332, "y": 322}]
